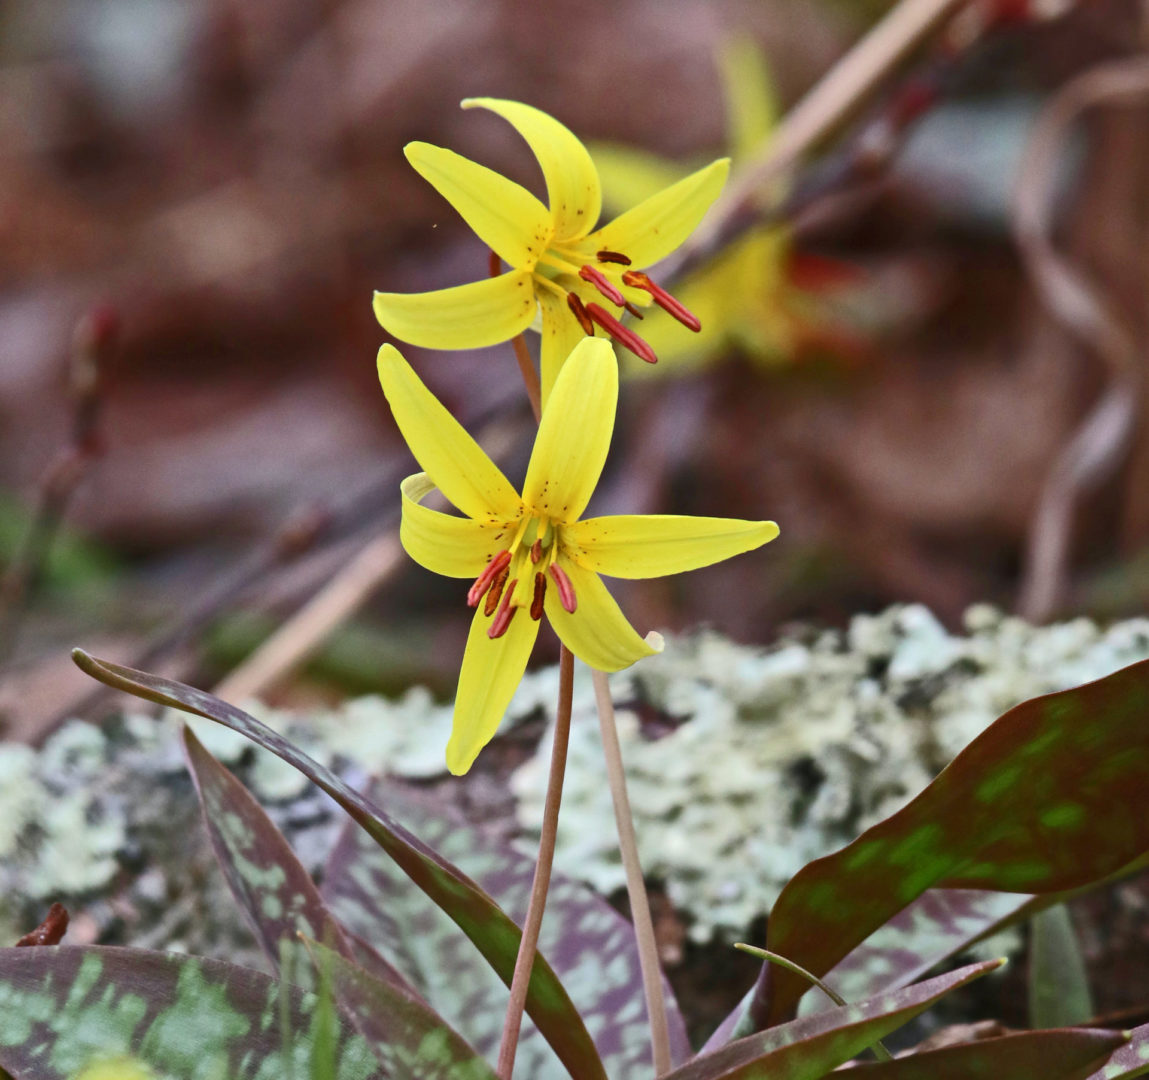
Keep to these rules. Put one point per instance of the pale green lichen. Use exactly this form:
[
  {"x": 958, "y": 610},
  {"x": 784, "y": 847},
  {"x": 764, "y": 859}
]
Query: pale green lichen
[{"x": 778, "y": 756}]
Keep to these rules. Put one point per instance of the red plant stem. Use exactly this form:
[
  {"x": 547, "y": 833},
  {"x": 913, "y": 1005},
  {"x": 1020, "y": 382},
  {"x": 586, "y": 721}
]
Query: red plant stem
[{"x": 530, "y": 939}]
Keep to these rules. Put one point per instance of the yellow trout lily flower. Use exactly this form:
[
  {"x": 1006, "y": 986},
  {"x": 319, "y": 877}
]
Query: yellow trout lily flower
[
  {"x": 559, "y": 268},
  {"x": 534, "y": 553}
]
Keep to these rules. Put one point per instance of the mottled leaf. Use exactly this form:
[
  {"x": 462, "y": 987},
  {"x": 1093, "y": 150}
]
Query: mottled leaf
[
  {"x": 1063, "y": 1054},
  {"x": 409, "y": 1039},
  {"x": 1050, "y": 797},
  {"x": 812, "y": 1046},
  {"x": 591, "y": 946},
  {"x": 472, "y": 910},
  {"x": 63, "y": 1007},
  {"x": 1130, "y": 1060}
]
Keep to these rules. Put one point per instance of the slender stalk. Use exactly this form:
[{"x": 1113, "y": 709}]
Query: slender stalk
[
  {"x": 522, "y": 354},
  {"x": 635, "y": 886},
  {"x": 530, "y": 939}
]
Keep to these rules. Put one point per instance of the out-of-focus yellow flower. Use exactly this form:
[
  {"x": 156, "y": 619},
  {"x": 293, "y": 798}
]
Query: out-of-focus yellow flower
[
  {"x": 535, "y": 551},
  {"x": 119, "y": 1068},
  {"x": 559, "y": 266},
  {"x": 756, "y": 296}
]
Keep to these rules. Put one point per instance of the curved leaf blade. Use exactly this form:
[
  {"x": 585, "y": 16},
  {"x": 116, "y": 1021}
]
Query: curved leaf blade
[
  {"x": 811, "y": 1047},
  {"x": 408, "y": 1037},
  {"x": 1130, "y": 1060},
  {"x": 61, "y": 1007},
  {"x": 1060, "y": 1054},
  {"x": 1049, "y": 798},
  {"x": 494, "y": 934}
]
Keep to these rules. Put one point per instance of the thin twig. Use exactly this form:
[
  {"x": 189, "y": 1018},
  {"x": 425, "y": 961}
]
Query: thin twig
[
  {"x": 1102, "y": 437},
  {"x": 842, "y": 91},
  {"x": 528, "y": 944},
  {"x": 635, "y": 885},
  {"x": 92, "y": 348}
]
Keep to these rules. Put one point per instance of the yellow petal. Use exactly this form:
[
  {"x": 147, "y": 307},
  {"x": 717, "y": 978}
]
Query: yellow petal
[
  {"x": 561, "y": 332},
  {"x": 653, "y": 545},
  {"x": 453, "y": 460},
  {"x": 492, "y": 670},
  {"x": 464, "y": 317},
  {"x": 654, "y": 228},
  {"x": 504, "y": 215},
  {"x": 447, "y": 545},
  {"x": 752, "y": 106},
  {"x": 572, "y": 180},
  {"x": 574, "y": 436},
  {"x": 598, "y": 632}
]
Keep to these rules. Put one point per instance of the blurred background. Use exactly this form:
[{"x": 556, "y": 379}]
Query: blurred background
[{"x": 201, "y": 195}]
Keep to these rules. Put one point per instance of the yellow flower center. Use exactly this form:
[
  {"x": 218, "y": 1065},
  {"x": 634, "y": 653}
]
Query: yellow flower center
[{"x": 517, "y": 575}]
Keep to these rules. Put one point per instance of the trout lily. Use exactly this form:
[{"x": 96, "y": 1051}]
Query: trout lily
[
  {"x": 534, "y": 554},
  {"x": 560, "y": 269}
]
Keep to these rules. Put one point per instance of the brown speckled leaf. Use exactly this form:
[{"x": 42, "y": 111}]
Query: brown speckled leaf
[
  {"x": 1062, "y": 1054},
  {"x": 1052, "y": 796},
  {"x": 590, "y": 944},
  {"x": 187, "y": 1018},
  {"x": 1130, "y": 1060},
  {"x": 472, "y": 910},
  {"x": 809, "y": 1048}
]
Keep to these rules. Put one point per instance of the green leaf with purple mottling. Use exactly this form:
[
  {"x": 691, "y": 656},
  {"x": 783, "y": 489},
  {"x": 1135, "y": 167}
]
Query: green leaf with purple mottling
[
  {"x": 61, "y": 1007},
  {"x": 811, "y": 1047},
  {"x": 472, "y": 910},
  {"x": 1050, "y": 797},
  {"x": 591, "y": 946},
  {"x": 1060, "y": 1054},
  {"x": 409, "y": 1039}
]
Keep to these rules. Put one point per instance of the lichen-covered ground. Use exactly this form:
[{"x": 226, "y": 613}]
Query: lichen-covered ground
[{"x": 744, "y": 763}]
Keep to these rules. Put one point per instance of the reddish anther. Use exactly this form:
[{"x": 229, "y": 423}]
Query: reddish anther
[
  {"x": 50, "y": 931},
  {"x": 496, "y": 592},
  {"x": 596, "y": 278},
  {"x": 537, "y": 550},
  {"x": 636, "y": 279},
  {"x": 626, "y": 338},
  {"x": 566, "y": 590},
  {"x": 580, "y": 313},
  {"x": 613, "y": 257},
  {"x": 539, "y": 597},
  {"x": 633, "y": 310},
  {"x": 484, "y": 580},
  {"x": 505, "y": 613}
]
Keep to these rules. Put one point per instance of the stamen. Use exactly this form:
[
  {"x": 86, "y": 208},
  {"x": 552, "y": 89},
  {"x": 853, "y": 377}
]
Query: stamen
[
  {"x": 636, "y": 279},
  {"x": 483, "y": 581},
  {"x": 626, "y": 338},
  {"x": 566, "y": 590},
  {"x": 596, "y": 278},
  {"x": 579, "y": 312},
  {"x": 539, "y": 597},
  {"x": 633, "y": 310},
  {"x": 613, "y": 257},
  {"x": 502, "y": 620},
  {"x": 496, "y": 592},
  {"x": 537, "y": 550}
]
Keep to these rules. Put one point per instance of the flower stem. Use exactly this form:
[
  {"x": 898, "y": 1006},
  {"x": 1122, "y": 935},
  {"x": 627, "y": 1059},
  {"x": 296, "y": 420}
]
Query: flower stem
[
  {"x": 529, "y": 941},
  {"x": 530, "y": 376},
  {"x": 635, "y": 886}
]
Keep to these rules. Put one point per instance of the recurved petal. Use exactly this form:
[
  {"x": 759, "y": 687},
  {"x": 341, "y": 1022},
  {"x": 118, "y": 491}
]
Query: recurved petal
[
  {"x": 574, "y": 436},
  {"x": 597, "y": 632},
  {"x": 463, "y": 317},
  {"x": 492, "y": 669},
  {"x": 453, "y": 460},
  {"x": 654, "y": 545},
  {"x": 561, "y": 332},
  {"x": 572, "y": 180},
  {"x": 447, "y": 545},
  {"x": 655, "y": 227},
  {"x": 504, "y": 215}
]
